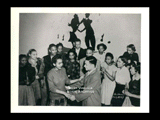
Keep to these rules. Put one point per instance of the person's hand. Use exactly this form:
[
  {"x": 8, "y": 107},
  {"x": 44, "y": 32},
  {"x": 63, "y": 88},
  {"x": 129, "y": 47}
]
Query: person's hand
[
  {"x": 129, "y": 61},
  {"x": 67, "y": 87},
  {"x": 37, "y": 77},
  {"x": 126, "y": 92},
  {"x": 68, "y": 95},
  {"x": 103, "y": 69},
  {"x": 81, "y": 78},
  {"x": 72, "y": 98}
]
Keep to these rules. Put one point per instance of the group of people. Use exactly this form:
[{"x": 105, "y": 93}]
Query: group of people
[{"x": 79, "y": 77}]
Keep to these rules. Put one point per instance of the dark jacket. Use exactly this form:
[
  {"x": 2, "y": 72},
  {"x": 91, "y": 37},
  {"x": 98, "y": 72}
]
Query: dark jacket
[
  {"x": 91, "y": 95},
  {"x": 47, "y": 63},
  {"x": 132, "y": 57},
  {"x": 26, "y": 72},
  {"x": 82, "y": 53}
]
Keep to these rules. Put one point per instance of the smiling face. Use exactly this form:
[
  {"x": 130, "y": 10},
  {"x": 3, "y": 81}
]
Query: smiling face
[
  {"x": 120, "y": 63},
  {"x": 88, "y": 66},
  {"x": 108, "y": 60},
  {"x": 33, "y": 55},
  {"x": 71, "y": 55},
  {"x": 129, "y": 50},
  {"x": 58, "y": 64},
  {"x": 101, "y": 49},
  {"x": 23, "y": 61},
  {"x": 77, "y": 44},
  {"x": 59, "y": 49},
  {"x": 89, "y": 53},
  {"x": 53, "y": 50}
]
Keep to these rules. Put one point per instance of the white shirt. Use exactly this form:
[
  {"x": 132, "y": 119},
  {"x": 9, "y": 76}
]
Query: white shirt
[
  {"x": 122, "y": 76},
  {"x": 100, "y": 57},
  {"x": 77, "y": 51}
]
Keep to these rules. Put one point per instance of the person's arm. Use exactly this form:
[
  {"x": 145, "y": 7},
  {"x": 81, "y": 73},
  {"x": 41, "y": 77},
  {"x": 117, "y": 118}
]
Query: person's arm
[
  {"x": 111, "y": 77},
  {"x": 81, "y": 67},
  {"x": 81, "y": 30},
  {"x": 81, "y": 21},
  {"x": 126, "y": 92},
  {"x": 91, "y": 89},
  {"x": 41, "y": 69},
  {"x": 67, "y": 80},
  {"x": 136, "y": 57}
]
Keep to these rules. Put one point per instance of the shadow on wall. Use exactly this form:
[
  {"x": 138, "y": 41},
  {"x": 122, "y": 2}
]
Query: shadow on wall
[{"x": 38, "y": 30}]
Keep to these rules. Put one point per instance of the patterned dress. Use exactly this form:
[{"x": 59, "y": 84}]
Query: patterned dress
[{"x": 72, "y": 69}]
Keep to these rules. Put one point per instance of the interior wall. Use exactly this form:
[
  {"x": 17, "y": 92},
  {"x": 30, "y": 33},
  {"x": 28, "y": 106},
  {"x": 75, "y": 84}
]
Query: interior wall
[{"x": 38, "y": 30}]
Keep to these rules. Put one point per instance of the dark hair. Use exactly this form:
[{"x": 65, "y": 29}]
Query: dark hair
[
  {"x": 89, "y": 48},
  {"x": 59, "y": 44},
  {"x": 92, "y": 60},
  {"x": 30, "y": 51},
  {"x": 124, "y": 60},
  {"x": 55, "y": 58},
  {"x": 75, "y": 54},
  {"x": 137, "y": 67},
  {"x": 78, "y": 40},
  {"x": 132, "y": 47},
  {"x": 75, "y": 15},
  {"x": 110, "y": 55},
  {"x": 102, "y": 44},
  {"x": 87, "y": 14},
  {"x": 22, "y": 56},
  {"x": 50, "y": 46}
]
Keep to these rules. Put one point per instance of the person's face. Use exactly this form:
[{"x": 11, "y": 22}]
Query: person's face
[
  {"x": 89, "y": 53},
  {"x": 78, "y": 44},
  {"x": 129, "y": 50},
  {"x": 101, "y": 49},
  {"x": 88, "y": 66},
  {"x": 60, "y": 49},
  {"x": 23, "y": 61},
  {"x": 120, "y": 63},
  {"x": 33, "y": 55},
  {"x": 108, "y": 59},
  {"x": 132, "y": 70},
  {"x": 53, "y": 50},
  {"x": 71, "y": 55},
  {"x": 59, "y": 64}
]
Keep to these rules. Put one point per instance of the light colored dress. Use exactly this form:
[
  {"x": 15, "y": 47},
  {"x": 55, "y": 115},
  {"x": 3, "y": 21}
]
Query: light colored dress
[{"x": 108, "y": 86}]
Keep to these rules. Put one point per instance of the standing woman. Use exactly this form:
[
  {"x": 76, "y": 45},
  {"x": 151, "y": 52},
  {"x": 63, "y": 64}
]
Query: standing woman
[
  {"x": 57, "y": 79},
  {"x": 122, "y": 79},
  {"x": 72, "y": 66},
  {"x": 74, "y": 24},
  {"x": 36, "y": 63},
  {"x": 90, "y": 37},
  {"x": 26, "y": 77},
  {"x": 108, "y": 84},
  {"x": 133, "y": 90}
]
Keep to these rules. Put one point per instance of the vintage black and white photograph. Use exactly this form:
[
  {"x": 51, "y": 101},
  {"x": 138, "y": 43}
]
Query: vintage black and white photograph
[{"x": 79, "y": 59}]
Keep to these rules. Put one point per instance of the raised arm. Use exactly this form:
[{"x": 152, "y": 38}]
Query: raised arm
[{"x": 111, "y": 77}]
